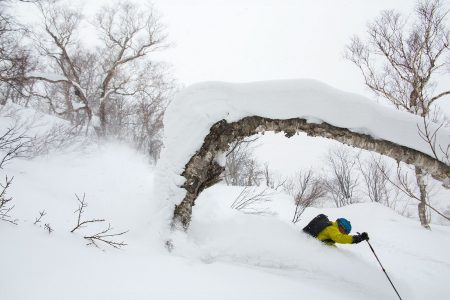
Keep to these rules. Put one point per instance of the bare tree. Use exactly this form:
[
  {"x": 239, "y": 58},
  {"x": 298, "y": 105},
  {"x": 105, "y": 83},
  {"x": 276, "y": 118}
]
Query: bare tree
[
  {"x": 15, "y": 60},
  {"x": 431, "y": 124},
  {"x": 240, "y": 167},
  {"x": 306, "y": 189},
  {"x": 63, "y": 57},
  {"x": 5, "y": 203},
  {"x": 117, "y": 88},
  {"x": 144, "y": 125},
  {"x": 412, "y": 55},
  {"x": 342, "y": 181},
  {"x": 250, "y": 198},
  {"x": 128, "y": 34},
  {"x": 400, "y": 62},
  {"x": 402, "y": 181},
  {"x": 272, "y": 181},
  {"x": 147, "y": 134},
  {"x": 373, "y": 171},
  {"x": 13, "y": 143}
]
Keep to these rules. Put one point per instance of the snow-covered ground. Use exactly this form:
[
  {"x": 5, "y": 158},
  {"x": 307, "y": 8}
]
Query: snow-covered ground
[{"x": 225, "y": 254}]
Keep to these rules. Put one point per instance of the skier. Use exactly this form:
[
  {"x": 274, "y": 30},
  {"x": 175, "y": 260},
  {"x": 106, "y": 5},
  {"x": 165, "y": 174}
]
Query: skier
[{"x": 333, "y": 232}]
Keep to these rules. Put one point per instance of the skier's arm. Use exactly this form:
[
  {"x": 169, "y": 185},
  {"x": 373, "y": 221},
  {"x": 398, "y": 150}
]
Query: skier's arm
[{"x": 338, "y": 237}]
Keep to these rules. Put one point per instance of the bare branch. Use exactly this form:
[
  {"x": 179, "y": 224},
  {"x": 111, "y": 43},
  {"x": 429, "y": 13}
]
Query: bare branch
[
  {"x": 41, "y": 215},
  {"x": 271, "y": 181},
  {"x": 429, "y": 135},
  {"x": 411, "y": 54},
  {"x": 240, "y": 166},
  {"x": 249, "y": 198},
  {"x": 80, "y": 211},
  {"x": 105, "y": 237},
  {"x": 403, "y": 184},
  {"x": 343, "y": 181},
  {"x": 5, "y": 205},
  {"x": 48, "y": 228},
  {"x": 13, "y": 144},
  {"x": 376, "y": 183},
  {"x": 306, "y": 189}
]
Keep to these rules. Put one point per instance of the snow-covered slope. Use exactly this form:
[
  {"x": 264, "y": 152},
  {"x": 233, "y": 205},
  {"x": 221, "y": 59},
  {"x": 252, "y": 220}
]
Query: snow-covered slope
[{"x": 224, "y": 255}]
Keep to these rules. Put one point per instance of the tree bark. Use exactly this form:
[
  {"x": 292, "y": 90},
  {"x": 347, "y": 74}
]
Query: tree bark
[
  {"x": 424, "y": 221},
  {"x": 102, "y": 117}
]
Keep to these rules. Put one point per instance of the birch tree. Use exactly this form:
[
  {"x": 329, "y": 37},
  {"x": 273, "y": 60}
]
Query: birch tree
[
  {"x": 108, "y": 85},
  {"x": 15, "y": 60},
  {"x": 401, "y": 61}
]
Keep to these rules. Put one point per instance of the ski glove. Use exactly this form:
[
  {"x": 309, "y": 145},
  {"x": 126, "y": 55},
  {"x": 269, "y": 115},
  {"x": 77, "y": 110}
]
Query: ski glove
[
  {"x": 360, "y": 237},
  {"x": 365, "y": 236}
]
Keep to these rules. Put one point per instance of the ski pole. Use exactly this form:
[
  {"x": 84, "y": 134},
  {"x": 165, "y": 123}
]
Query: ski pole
[{"x": 371, "y": 248}]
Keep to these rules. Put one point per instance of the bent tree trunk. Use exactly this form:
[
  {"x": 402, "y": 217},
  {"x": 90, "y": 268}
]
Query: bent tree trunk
[{"x": 203, "y": 171}]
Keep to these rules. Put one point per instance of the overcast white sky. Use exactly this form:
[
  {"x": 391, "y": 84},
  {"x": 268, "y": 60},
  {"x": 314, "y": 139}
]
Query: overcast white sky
[{"x": 250, "y": 40}]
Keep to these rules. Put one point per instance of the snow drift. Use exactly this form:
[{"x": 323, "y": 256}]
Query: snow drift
[
  {"x": 189, "y": 117},
  {"x": 224, "y": 255}
]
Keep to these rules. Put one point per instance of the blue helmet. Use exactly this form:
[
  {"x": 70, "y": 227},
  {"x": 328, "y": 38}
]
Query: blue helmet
[{"x": 345, "y": 224}]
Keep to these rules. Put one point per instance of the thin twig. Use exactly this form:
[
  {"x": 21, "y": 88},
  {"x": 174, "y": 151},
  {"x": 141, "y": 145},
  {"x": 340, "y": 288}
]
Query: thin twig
[
  {"x": 80, "y": 210},
  {"x": 104, "y": 236},
  {"x": 48, "y": 228},
  {"x": 247, "y": 198},
  {"x": 404, "y": 188},
  {"x": 38, "y": 219},
  {"x": 5, "y": 207}
]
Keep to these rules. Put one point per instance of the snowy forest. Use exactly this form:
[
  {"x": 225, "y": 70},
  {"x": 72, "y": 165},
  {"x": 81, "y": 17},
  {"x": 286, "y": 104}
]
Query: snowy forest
[{"x": 146, "y": 146}]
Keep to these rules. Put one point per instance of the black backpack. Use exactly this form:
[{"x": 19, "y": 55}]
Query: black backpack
[{"x": 317, "y": 225}]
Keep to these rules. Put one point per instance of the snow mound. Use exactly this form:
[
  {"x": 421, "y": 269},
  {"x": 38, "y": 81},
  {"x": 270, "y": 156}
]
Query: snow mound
[
  {"x": 189, "y": 117},
  {"x": 219, "y": 234},
  {"x": 49, "y": 133},
  {"x": 29, "y": 120}
]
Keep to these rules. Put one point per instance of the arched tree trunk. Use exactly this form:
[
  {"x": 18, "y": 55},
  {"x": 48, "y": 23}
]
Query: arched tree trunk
[{"x": 203, "y": 171}]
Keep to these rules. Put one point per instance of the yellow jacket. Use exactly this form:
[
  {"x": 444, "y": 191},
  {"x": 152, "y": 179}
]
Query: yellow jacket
[{"x": 331, "y": 235}]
